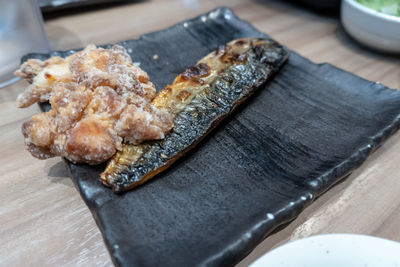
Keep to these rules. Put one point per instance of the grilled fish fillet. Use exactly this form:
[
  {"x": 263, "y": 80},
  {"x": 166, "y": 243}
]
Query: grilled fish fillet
[{"x": 198, "y": 99}]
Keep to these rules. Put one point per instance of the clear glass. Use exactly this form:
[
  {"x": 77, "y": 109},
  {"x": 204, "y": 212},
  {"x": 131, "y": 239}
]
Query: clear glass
[{"x": 21, "y": 32}]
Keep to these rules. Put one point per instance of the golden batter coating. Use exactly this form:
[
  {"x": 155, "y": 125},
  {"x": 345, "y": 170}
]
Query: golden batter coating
[
  {"x": 41, "y": 76},
  {"x": 142, "y": 121},
  {"x": 39, "y": 135},
  {"x": 89, "y": 142},
  {"x": 99, "y": 100}
]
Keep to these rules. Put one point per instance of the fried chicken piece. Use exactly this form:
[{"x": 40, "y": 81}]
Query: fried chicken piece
[
  {"x": 39, "y": 134},
  {"x": 89, "y": 142},
  {"x": 69, "y": 101},
  {"x": 142, "y": 121},
  {"x": 41, "y": 76},
  {"x": 30, "y": 69},
  {"x": 113, "y": 67},
  {"x": 99, "y": 100},
  {"x": 107, "y": 103}
]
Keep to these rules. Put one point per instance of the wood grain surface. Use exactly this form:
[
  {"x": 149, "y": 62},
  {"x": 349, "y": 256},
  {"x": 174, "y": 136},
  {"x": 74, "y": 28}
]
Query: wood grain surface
[{"x": 44, "y": 222}]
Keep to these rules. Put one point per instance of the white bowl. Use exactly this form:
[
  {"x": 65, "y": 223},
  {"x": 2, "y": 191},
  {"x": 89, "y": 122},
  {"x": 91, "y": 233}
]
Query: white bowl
[
  {"x": 334, "y": 250},
  {"x": 372, "y": 28}
]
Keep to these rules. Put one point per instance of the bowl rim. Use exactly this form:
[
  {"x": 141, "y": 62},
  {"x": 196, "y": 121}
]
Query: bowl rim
[
  {"x": 373, "y": 12},
  {"x": 326, "y": 241}
]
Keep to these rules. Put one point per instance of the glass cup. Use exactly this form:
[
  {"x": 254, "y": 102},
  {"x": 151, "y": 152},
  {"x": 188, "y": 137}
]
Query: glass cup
[{"x": 21, "y": 32}]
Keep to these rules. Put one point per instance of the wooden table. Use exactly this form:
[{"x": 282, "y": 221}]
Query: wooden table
[{"x": 43, "y": 220}]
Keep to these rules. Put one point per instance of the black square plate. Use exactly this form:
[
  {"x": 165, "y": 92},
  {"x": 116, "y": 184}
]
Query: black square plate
[{"x": 309, "y": 127}]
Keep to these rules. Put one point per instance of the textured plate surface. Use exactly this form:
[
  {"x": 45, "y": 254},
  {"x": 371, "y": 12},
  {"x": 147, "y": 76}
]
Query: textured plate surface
[{"x": 309, "y": 127}]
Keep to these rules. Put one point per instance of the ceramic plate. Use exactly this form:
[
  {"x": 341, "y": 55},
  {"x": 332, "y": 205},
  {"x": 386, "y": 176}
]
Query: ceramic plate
[
  {"x": 345, "y": 250},
  {"x": 309, "y": 127}
]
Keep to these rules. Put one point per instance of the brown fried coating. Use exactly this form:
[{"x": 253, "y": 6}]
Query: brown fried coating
[
  {"x": 39, "y": 135},
  {"x": 99, "y": 100},
  {"x": 89, "y": 142},
  {"x": 113, "y": 67},
  {"x": 69, "y": 101},
  {"x": 141, "y": 121},
  {"x": 30, "y": 69},
  {"x": 106, "y": 102},
  {"x": 41, "y": 76}
]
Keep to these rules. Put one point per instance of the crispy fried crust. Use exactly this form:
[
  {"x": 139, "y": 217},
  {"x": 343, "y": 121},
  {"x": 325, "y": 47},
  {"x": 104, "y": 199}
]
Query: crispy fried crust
[{"x": 99, "y": 100}]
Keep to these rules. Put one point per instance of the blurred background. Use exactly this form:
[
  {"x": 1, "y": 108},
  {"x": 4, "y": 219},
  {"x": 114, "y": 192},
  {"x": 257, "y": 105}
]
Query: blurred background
[{"x": 370, "y": 27}]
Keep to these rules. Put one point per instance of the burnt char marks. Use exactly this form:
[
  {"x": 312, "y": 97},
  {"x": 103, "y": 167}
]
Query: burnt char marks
[
  {"x": 183, "y": 95},
  {"x": 259, "y": 51},
  {"x": 232, "y": 57},
  {"x": 241, "y": 42},
  {"x": 229, "y": 54},
  {"x": 224, "y": 49},
  {"x": 267, "y": 51},
  {"x": 194, "y": 74},
  {"x": 198, "y": 71}
]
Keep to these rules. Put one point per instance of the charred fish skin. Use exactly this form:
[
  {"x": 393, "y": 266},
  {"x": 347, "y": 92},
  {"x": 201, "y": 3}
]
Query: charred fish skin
[{"x": 242, "y": 75}]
